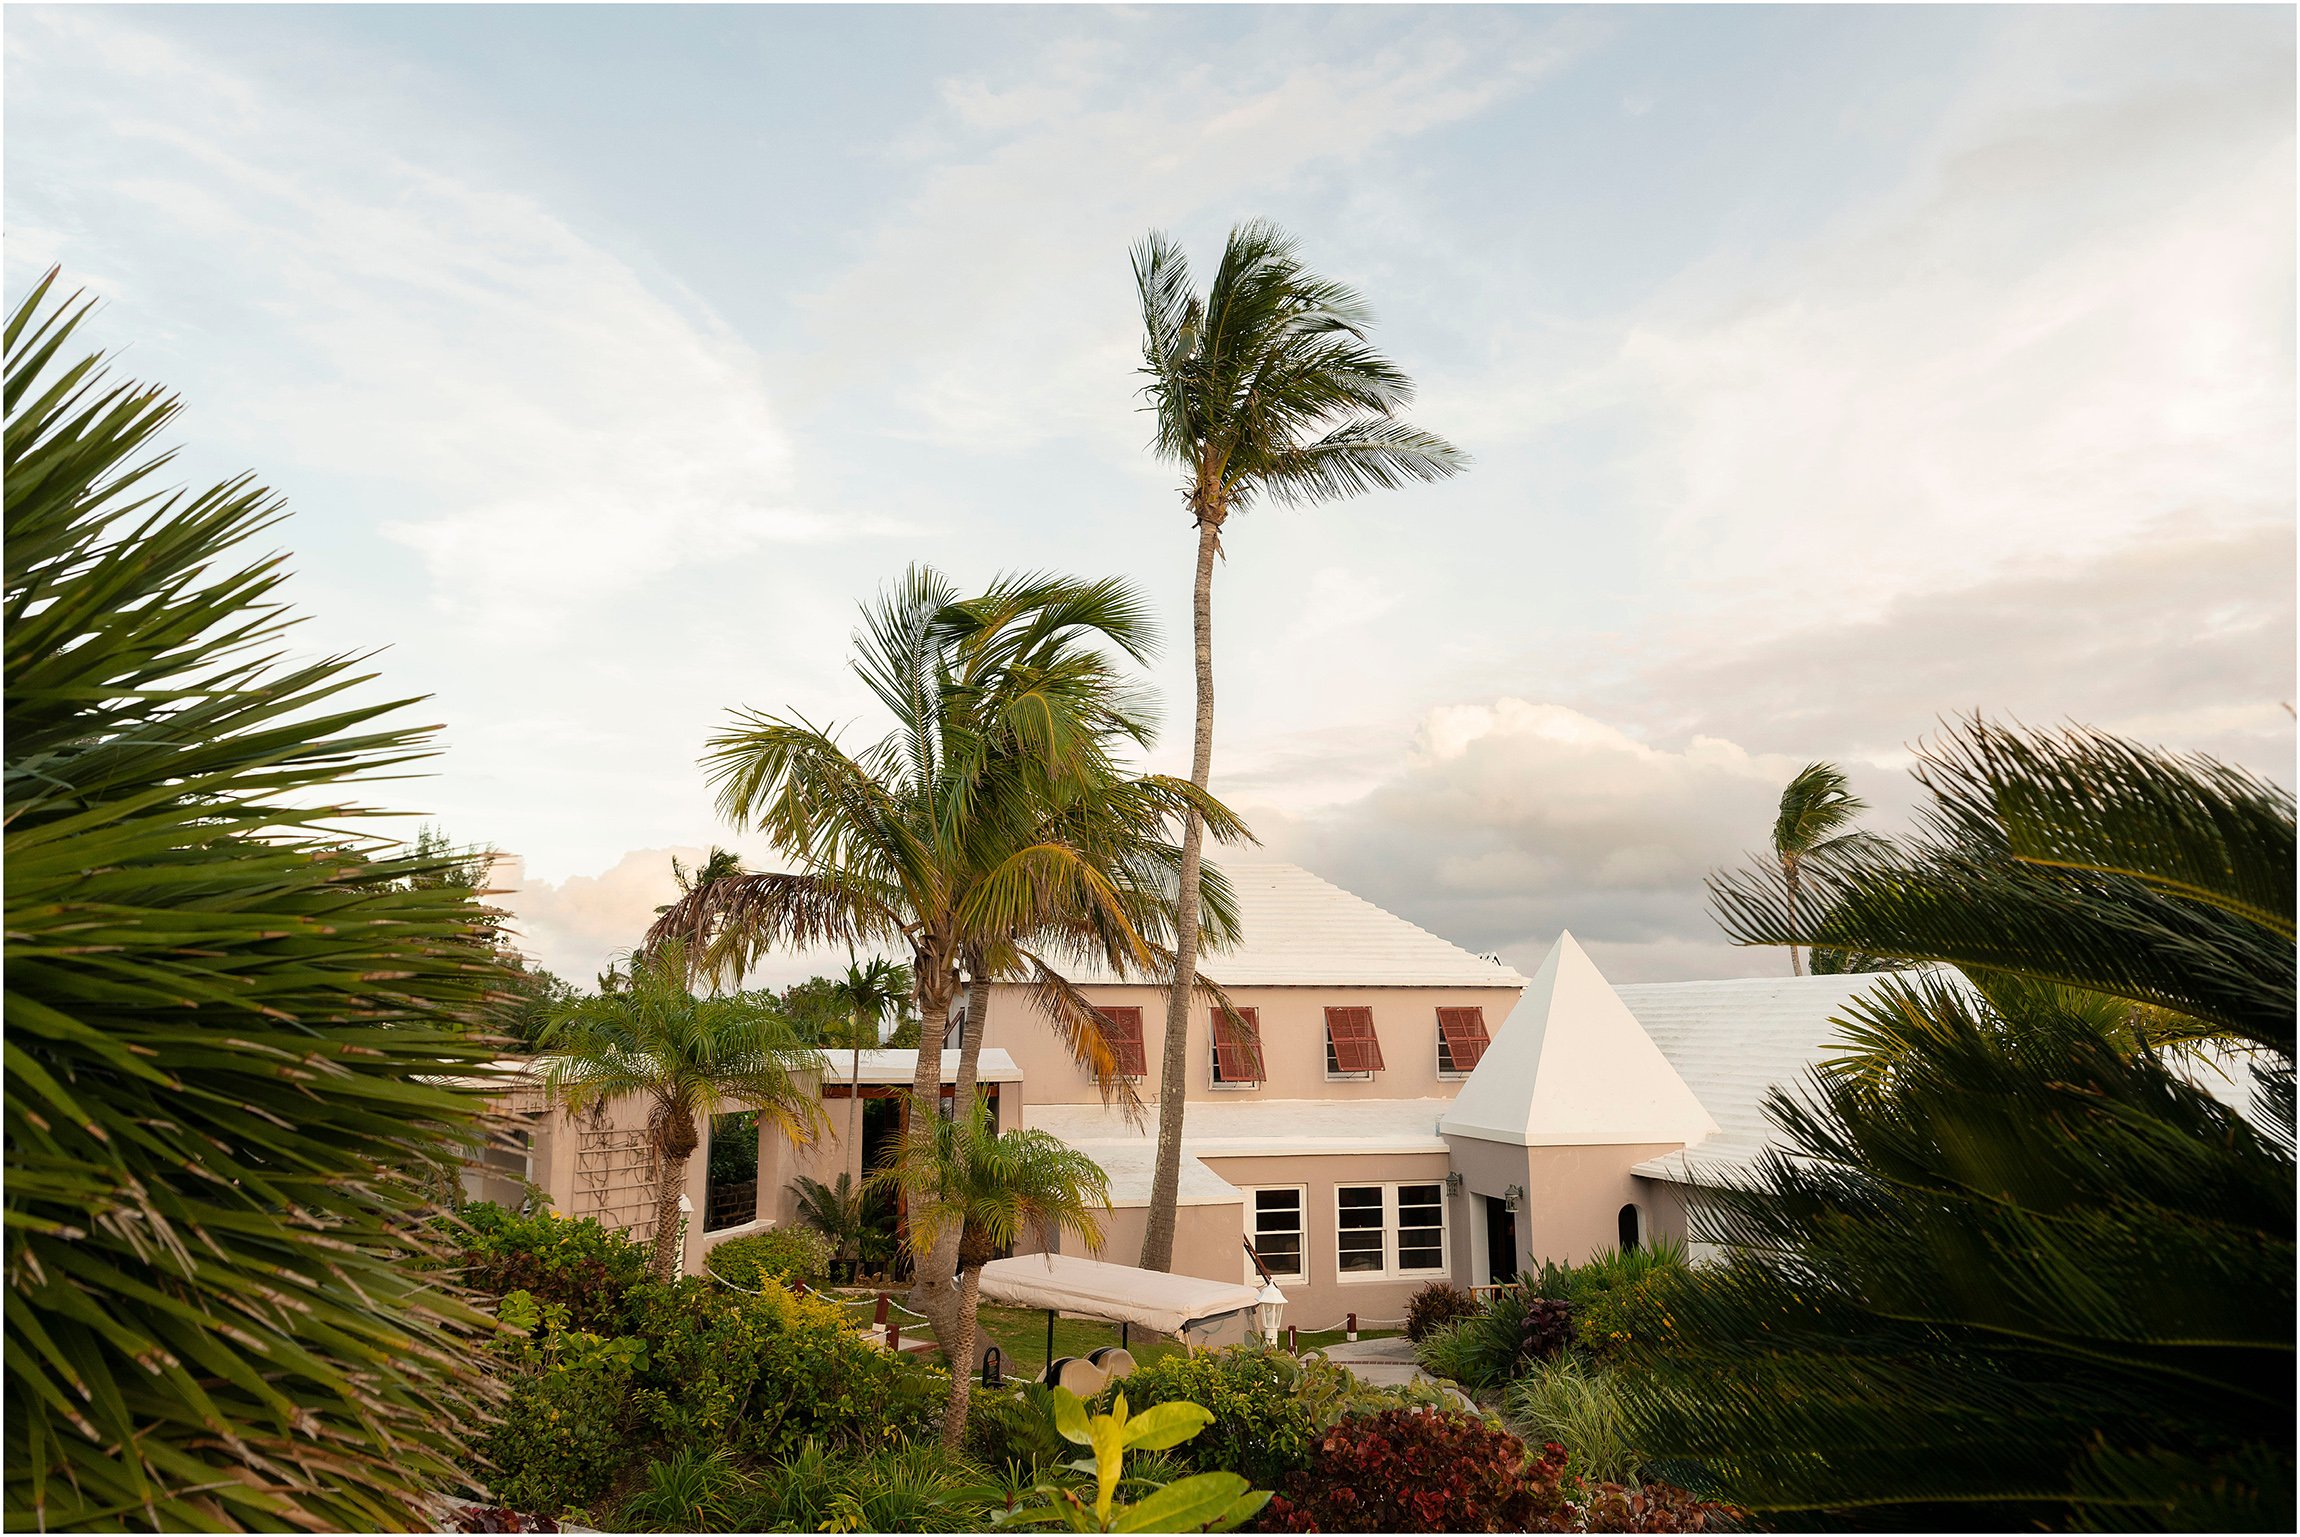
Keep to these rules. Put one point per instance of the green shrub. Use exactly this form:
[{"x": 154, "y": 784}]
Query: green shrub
[
  {"x": 784, "y": 1254},
  {"x": 1434, "y": 1306},
  {"x": 1488, "y": 1347},
  {"x": 762, "y": 1374},
  {"x": 891, "y": 1489},
  {"x": 690, "y": 1491},
  {"x": 1014, "y": 1424},
  {"x": 564, "y": 1433},
  {"x": 1269, "y": 1407},
  {"x": 1577, "y": 1407},
  {"x": 586, "y": 1268}
]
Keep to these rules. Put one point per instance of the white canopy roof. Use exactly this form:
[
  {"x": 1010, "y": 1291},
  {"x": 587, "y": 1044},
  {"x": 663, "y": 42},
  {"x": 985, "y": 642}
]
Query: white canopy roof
[
  {"x": 1120, "y": 1293},
  {"x": 883, "y": 1065}
]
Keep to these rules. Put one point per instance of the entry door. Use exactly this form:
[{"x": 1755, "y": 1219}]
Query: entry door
[{"x": 1500, "y": 1240}]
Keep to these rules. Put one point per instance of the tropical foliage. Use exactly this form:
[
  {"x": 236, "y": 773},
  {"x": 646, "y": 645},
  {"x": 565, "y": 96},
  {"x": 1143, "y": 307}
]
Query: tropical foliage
[
  {"x": 784, "y": 1254},
  {"x": 237, "y": 1017},
  {"x": 653, "y": 1039},
  {"x": 1201, "y": 1502},
  {"x": 990, "y": 1189},
  {"x": 993, "y": 832},
  {"x": 1265, "y": 386},
  {"x": 857, "y": 1220},
  {"x": 2015, "y": 1266},
  {"x": 1814, "y": 826}
]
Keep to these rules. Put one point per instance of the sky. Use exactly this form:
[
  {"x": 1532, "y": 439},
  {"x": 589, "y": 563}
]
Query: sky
[{"x": 1828, "y": 373}]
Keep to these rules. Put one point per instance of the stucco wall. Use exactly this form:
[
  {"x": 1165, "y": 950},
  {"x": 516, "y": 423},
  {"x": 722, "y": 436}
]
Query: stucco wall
[
  {"x": 1327, "y": 1296},
  {"x": 1293, "y": 1027},
  {"x": 1573, "y": 1198}
]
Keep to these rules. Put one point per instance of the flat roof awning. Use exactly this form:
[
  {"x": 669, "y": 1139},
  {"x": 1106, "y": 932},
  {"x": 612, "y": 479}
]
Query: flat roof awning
[{"x": 1121, "y": 1293}]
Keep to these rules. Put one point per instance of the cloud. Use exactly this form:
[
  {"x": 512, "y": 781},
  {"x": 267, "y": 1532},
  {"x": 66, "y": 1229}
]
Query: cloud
[
  {"x": 1002, "y": 284},
  {"x": 568, "y": 429},
  {"x": 1514, "y": 820}
]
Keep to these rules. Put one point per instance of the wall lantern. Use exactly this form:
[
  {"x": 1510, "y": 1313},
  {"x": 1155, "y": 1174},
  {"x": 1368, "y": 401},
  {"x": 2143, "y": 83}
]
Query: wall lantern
[
  {"x": 1515, "y": 1193},
  {"x": 1453, "y": 1182},
  {"x": 1267, "y": 1308}
]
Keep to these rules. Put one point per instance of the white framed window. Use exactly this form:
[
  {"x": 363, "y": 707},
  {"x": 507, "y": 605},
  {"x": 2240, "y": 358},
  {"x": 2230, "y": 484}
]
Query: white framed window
[
  {"x": 1274, "y": 1222},
  {"x": 1389, "y": 1232}
]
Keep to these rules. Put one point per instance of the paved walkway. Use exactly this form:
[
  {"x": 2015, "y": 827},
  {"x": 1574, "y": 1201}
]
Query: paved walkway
[{"x": 1387, "y": 1363}]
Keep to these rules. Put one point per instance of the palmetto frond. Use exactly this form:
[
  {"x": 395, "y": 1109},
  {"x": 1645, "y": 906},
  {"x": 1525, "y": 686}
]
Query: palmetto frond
[
  {"x": 2010, "y": 1269},
  {"x": 242, "y": 1034},
  {"x": 1269, "y": 385},
  {"x": 1966, "y": 895},
  {"x": 996, "y": 1188}
]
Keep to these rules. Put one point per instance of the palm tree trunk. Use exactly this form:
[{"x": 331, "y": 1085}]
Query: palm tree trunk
[
  {"x": 1174, "y": 1066},
  {"x": 942, "y": 1265},
  {"x": 960, "y": 1357},
  {"x": 669, "y": 1252},
  {"x": 931, "y": 1292},
  {"x": 1789, "y": 879}
]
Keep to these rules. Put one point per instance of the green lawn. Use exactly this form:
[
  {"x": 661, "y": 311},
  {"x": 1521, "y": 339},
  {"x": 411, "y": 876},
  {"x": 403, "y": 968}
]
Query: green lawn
[{"x": 1020, "y": 1334}]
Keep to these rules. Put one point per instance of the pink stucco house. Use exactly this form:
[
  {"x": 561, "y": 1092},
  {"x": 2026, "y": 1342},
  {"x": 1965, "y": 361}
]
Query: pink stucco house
[{"x": 1402, "y": 1111}]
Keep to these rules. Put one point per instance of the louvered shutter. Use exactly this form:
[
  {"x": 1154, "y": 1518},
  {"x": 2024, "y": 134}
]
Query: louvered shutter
[
  {"x": 1351, "y": 1042},
  {"x": 1238, "y": 1053},
  {"x": 1122, "y": 1028},
  {"x": 1463, "y": 1031}
]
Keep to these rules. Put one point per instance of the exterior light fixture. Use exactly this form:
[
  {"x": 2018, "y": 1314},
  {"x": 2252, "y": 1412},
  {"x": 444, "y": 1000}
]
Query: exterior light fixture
[
  {"x": 1515, "y": 1193},
  {"x": 1267, "y": 1308},
  {"x": 1453, "y": 1182}
]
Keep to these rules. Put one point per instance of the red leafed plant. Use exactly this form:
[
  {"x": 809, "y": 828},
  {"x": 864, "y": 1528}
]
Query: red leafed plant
[
  {"x": 1420, "y": 1470},
  {"x": 1657, "y": 1507}
]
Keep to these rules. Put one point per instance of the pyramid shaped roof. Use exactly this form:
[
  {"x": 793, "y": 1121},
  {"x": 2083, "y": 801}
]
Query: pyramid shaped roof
[{"x": 1571, "y": 1066}]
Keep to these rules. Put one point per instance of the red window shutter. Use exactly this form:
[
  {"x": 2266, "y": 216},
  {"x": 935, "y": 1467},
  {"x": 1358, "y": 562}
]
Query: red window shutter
[
  {"x": 1351, "y": 1034},
  {"x": 1465, "y": 1037},
  {"x": 1238, "y": 1053},
  {"x": 1122, "y": 1028}
]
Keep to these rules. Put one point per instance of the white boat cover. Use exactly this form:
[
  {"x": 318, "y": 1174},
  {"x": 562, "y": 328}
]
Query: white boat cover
[{"x": 1069, "y": 1283}]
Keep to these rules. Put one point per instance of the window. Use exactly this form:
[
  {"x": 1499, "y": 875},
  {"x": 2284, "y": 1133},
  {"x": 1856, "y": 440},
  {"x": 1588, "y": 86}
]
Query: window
[
  {"x": 1277, "y": 1224},
  {"x": 1123, "y": 1029},
  {"x": 1631, "y": 1226},
  {"x": 1389, "y": 1230},
  {"x": 1238, "y": 1053},
  {"x": 1360, "y": 1224},
  {"x": 1352, "y": 1048},
  {"x": 1461, "y": 1041}
]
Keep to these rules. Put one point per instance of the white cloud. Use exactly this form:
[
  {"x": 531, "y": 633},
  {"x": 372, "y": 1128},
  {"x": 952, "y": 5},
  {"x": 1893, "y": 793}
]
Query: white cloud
[
  {"x": 1513, "y": 820},
  {"x": 569, "y": 431}
]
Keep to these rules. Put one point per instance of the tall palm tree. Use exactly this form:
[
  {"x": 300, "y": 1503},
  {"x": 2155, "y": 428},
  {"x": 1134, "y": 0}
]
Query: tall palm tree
[
  {"x": 687, "y": 1056},
  {"x": 2013, "y": 1269},
  {"x": 1265, "y": 387},
  {"x": 244, "y": 1033},
  {"x": 1817, "y": 811},
  {"x": 868, "y": 992},
  {"x": 985, "y": 1190},
  {"x": 991, "y": 832}
]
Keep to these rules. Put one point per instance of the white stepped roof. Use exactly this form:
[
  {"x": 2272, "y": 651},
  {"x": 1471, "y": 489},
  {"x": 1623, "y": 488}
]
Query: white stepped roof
[
  {"x": 1257, "y": 1128},
  {"x": 1300, "y": 931},
  {"x": 1733, "y": 1042},
  {"x": 1571, "y": 1066}
]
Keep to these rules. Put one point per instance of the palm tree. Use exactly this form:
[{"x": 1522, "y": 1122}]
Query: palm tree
[
  {"x": 2013, "y": 1269},
  {"x": 1816, "y": 811},
  {"x": 991, "y": 832},
  {"x": 687, "y": 1056},
  {"x": 841, "y": 1212},
  {"x": 868, "y": 992},
  {"x": 244, "y": 1034},
  {"x": 988, "y": 1189},
  {"x": 1266, "y": 386}
]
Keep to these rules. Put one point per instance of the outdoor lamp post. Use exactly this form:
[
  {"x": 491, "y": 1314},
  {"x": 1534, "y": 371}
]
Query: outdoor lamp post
[
  {"x": 686, "y": 1210},
  {"x": 1267, "y": 1308}
]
